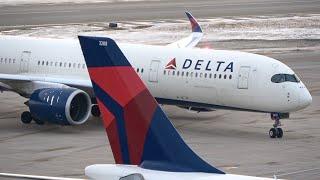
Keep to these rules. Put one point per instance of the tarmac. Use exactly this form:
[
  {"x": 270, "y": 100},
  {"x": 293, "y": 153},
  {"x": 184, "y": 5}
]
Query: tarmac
[
  {"x": 235, "y": 142},
  {"x": 161, "y": 9}
]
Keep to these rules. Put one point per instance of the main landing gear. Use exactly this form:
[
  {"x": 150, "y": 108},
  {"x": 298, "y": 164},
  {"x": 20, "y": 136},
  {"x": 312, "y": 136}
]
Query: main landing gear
[
  {"x": 276, "y": 131},
  {"x": 27, "y": 118}
]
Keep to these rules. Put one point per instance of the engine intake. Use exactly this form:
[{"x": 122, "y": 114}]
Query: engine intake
[{"x": 64, "y": 106}]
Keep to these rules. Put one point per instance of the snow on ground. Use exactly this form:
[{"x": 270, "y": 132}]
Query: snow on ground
[
  {"x": 296, "y": 27},
  {"x": 20, "y": 2}
]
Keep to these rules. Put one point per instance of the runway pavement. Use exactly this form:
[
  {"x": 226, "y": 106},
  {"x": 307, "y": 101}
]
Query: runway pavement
[{"x": 164, "y": 9}]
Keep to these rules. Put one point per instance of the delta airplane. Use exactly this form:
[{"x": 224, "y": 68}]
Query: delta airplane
[
  {"x": 52, "y": 74},
  {"x": 144, "y": 143}
]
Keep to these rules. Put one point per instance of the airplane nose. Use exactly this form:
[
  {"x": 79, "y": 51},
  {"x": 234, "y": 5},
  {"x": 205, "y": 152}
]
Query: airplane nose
[{"x": 306, "y": 99}]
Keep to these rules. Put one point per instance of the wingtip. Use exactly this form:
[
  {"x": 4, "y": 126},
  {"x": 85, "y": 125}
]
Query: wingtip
[{"x": 194, "y": 23}]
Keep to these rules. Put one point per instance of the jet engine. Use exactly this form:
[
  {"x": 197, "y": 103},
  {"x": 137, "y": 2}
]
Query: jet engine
[{"x": 64, "y": 106}]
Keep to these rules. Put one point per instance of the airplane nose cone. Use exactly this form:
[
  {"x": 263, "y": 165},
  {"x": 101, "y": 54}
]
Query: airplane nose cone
[{"x": 306, "y": 99}]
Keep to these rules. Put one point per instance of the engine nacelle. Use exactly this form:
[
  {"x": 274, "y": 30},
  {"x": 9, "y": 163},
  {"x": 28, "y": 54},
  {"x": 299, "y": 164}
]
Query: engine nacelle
[{"x": 64, "y": 106}]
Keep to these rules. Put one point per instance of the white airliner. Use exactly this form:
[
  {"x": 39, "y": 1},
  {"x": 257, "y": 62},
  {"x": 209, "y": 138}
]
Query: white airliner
[
  {"x": 52, "y": 74},
  {"x": 145, "y": 144}
]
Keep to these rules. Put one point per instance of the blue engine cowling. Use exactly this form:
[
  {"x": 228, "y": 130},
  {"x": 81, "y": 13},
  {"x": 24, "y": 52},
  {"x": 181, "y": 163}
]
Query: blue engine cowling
[{"x": 64, "y": 106}]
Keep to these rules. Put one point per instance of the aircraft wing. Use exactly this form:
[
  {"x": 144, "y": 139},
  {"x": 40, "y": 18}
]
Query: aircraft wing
[
  {"x": 193, "y": 39},
  {"x": 71, "y": 81}
]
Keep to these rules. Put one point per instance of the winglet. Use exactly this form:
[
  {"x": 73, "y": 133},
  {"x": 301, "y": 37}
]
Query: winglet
[
  {"x": 194, "y": 23},
  {"x": 194, "y": 38},
  {"x": 139, "y": 132}
]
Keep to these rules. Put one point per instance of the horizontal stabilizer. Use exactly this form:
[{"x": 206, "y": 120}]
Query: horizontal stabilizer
[{"x": 35, "y": 177}]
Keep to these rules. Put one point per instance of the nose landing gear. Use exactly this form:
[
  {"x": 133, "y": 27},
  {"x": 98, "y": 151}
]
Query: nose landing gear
[{"x": 276, "y": 131}]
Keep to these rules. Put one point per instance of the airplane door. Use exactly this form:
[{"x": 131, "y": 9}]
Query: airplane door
[
  {"x": 153, "y": 71},
  {"x": 24, "y": 61},
  {"x": 243, "y": 77}
]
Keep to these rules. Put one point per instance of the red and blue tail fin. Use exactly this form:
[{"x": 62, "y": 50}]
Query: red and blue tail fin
[
  {"x": 194, "y": 24},
  {"x": 138, "y": 130}
]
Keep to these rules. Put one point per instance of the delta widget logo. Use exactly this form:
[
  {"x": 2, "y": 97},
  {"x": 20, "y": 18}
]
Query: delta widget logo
[{"x": 172, "y": 64}]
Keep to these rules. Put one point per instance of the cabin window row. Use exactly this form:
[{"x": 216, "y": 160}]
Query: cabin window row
[
  {"x": 7, "y": 61},
  {"x": 197, "y": 75},
  {"x": 139, "y": 70},
  {"x": 61, "y": 64}
]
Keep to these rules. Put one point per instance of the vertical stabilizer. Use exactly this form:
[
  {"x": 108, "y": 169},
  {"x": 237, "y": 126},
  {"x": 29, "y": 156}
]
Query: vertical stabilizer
[{"x": 138, "y": 130}]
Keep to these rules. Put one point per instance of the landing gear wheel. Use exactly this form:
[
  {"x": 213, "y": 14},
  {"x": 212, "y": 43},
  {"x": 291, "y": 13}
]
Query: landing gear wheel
[
  {"x": 39, "y": 122},
  {"x": 273, "y": 133},
  {"x": 276, "y": 132},
  {"x": 95, "y": 111},
  {"x": 279, "y": 133},
  {"x": 26, "y": 117}
]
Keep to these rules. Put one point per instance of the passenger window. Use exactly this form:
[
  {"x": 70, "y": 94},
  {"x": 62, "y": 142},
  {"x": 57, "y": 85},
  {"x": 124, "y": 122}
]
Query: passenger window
[
  {"x": 205, "y": 75},
  {"x": 83, "y": 66},
  {"x": 215, "y": 76},
  {"x": 47, "y": 63},
  {"x": 142, "y": 70},
  {"x": 60, "y": 64},
  {"x": 79, "y": 66},
  {"x": 230, "y": 76},
  {"x": 51, "y": 63},
  {"x": 173, "y": 73},
  {"x": 38, "y": 63},
  {"x": 69, "y": 65},
  {"x": 178, "y": 73},
  {"x": 196, "y": 75},
  {"x": 14, "y": 61},
  {"x": 137, "y": 69},
  {"x": 182, "y": 73},
  {"x": 191, "y": 74},
  {"x": 225, "y": 76},
  {"x": 220, "y": 76},
  {"x": 210, "y": 75},
  {"x": 201, "y": 75},
  {"x": 164, "y": 72},
  {"x": 187, "y": 74}
]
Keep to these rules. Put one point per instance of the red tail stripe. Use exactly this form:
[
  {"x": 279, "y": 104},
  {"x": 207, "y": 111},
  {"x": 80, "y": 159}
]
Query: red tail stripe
[
  {"x": 110, "y": 125},
  {"x": 121, "y": 82},
  {"x": 140, "y": 109}
]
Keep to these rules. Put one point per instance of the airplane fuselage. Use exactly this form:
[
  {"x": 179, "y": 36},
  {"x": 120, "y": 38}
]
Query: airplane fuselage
[{"x": 180, "y": 76}]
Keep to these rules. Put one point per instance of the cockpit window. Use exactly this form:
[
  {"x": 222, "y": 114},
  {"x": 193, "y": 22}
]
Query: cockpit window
[{"x": 279, "y": 78}]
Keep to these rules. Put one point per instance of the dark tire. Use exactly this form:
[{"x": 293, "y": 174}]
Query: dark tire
[
  {"x": 39, "y": 122},
  {"x": 272, "y": 133},
  {"x": 95, "y": 111},
  {"x": 279, "y": 133},
  {"x": 26, "y": 117}
]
